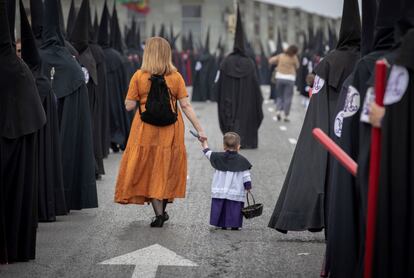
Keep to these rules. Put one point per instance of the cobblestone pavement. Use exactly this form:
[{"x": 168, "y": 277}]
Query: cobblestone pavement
[{"x": 75, "y": 245}]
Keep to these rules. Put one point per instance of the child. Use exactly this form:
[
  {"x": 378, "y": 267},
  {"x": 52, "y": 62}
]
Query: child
[{"x": 231, "y": 179}]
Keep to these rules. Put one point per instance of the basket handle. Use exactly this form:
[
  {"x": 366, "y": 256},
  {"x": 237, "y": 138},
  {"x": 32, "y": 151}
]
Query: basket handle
[{"x": 247, "y": 197}]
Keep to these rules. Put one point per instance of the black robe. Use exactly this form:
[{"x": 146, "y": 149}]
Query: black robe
[
  {"x": 51, "y": 189},
  {"x": 117, "y": 82},
  {"x": 393, "y": 254},
  {"x": 205, "y": 73},
  {"x": 301, "y": 204},
  {"x": 240, "y": 99}
]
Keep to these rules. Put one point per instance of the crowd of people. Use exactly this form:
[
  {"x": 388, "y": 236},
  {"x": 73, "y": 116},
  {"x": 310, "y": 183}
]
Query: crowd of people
[{"x": 72, "y": 94}]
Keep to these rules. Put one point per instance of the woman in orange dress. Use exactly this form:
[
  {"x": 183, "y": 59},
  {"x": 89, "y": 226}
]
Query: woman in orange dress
[{"x": 154, "y": 164}]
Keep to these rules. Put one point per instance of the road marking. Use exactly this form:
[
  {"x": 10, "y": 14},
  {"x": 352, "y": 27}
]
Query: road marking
[
  {"x": 147, "y": 260},
  {"x": 303, "y": 254},
  {"x": 293, "y": 141},
  {"x": 274, "y": 118},
  {"x": 271, "y": 109},
  {"x": 283, "y": 128}
]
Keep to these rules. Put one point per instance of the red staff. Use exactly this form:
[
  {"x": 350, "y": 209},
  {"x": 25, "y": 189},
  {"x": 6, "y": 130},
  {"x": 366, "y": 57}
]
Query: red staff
[{"x": 380, "y": 82}]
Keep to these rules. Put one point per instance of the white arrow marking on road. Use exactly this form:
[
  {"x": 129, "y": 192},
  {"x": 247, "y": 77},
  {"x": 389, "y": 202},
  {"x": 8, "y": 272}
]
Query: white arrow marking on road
[
  {"x": 147, "y": 260},
  {"x": 271, "y": 109},
  {"x": 283, "y": 128},
  {"x": 293, "y": 141}
]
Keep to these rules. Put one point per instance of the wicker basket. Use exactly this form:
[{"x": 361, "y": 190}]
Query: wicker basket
[{"x": 252, "y": 211}]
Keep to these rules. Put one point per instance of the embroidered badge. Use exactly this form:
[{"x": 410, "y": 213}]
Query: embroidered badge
[
  {"x": 86, "y": 74},
  {"x": 339, "y": 120},
  {"x": 352, "y": 102},
  {"x": 397, "y": 85},
  {"x": 317, "y": 85},
  {"x": 369, "y": 98}
]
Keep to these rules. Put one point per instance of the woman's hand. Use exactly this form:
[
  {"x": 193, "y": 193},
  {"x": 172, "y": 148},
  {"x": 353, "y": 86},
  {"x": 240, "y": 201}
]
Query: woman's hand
[
  {"x": 130, "y": 105},
  {"x": 202, "y": 136}
]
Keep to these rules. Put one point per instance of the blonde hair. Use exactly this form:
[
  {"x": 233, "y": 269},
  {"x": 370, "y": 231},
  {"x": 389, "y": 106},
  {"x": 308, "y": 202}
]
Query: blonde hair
[
  {"x": 231, "y": 140},
  {"x": 157, "y": 57}
]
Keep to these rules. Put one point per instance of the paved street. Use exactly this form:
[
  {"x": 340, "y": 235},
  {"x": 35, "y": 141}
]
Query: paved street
[{"x": 76, "y": 244}]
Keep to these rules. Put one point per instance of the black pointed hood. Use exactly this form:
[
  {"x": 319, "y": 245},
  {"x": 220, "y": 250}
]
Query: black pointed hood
[
  {"x": 153, "y": 31},
  {"x": 138, "y": 37},
  {"x": 207, "y": 42},
  {"x": 51, "y": 27},
  {"x": 80, "y": 32},
  {"x": 389, "y": 12},
  {"x": 190, "y": 41},
  {"x": 369, "y": 13},
  {"x": 36, "y": 12},
  {"x": 350, "y": 32},
  {"x": 6, "y": 47},
  {"x": 184, "y": 43},
  {"x": 162, "y": 32},
  {"x": 279, "y": 46},
  {"x": 30, "y": 53},
  {"x": 239, "y": 39},
  {"x": 130, "y": 37},
  {"x": 11, "y": 13},
  {"x": 71, "y": 18},
  {"x": 116, "y": 36},
  {"x": 103, "y": 36},
  {"x": 61, "y": 20},
  {"x": 96, "y": 25}
]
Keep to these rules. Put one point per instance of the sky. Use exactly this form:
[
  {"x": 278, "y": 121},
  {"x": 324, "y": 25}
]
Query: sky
[{"x": 332, "y": 8}]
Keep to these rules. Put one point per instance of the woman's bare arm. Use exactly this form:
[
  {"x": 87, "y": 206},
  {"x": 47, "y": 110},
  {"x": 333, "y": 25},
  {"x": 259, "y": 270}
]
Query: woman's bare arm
[
  {"x": 188, "y": 110},
  {"x": 130, "y": 104}
]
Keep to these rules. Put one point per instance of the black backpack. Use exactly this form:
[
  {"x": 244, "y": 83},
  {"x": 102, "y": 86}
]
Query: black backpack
[{"x": 161, "y": 106}]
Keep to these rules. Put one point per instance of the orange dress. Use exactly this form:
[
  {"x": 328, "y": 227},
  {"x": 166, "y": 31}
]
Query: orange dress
[{"x": 154, "y": 164}]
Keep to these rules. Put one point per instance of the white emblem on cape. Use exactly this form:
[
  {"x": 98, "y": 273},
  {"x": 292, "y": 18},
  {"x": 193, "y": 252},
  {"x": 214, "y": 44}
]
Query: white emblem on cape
[
  {"x": 317, "y": 85},
  {"x": 198, "y": 66},
  {"x": 369, "y": 98},
  {"x": 86, "y": 74},
  {"x": 397, "y": 85},
  {"x": 339, "y": 120},
  {"x": 352, "y": 102}
]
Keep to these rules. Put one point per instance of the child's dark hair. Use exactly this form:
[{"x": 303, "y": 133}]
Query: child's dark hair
[{"x": 231, "y": 140}]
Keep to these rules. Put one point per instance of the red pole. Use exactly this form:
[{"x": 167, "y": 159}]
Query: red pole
[
  {"x": 336, "y": 151},
  {"x": 380, "y": 83}
]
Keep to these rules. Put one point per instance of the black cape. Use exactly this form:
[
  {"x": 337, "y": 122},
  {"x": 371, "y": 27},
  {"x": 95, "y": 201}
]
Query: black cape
[
  {"x": 229, "y": 161},
  {"x": 240, "y": 99},
  {"x": 203, "y": 80}
]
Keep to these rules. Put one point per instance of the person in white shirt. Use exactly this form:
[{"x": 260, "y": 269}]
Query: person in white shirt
[{"x": 231, "y": 180}]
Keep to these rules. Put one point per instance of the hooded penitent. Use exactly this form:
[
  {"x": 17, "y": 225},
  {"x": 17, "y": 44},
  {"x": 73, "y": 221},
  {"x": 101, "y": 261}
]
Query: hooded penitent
[
  {"x": 393, "y": 245},
  {"x": 303, "y": 201},
  {"x": 75, "y": 122},
  {"x": 36, "y": 12},
  {"x": 117, "y": 82},
  {"x": 264, "y": 71},
  {"x": 204, "y": 74},
  {"x": 81, "y": 41},
  {"x": 21, "y": 116},
  {"x": 51, "y": 201},
  {"x": 239, "y": 97},
  {"x": 344, "y": 221}
]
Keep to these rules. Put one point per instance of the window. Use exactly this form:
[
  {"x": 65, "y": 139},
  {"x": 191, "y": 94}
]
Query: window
[{"x": 191, "y": 21}]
